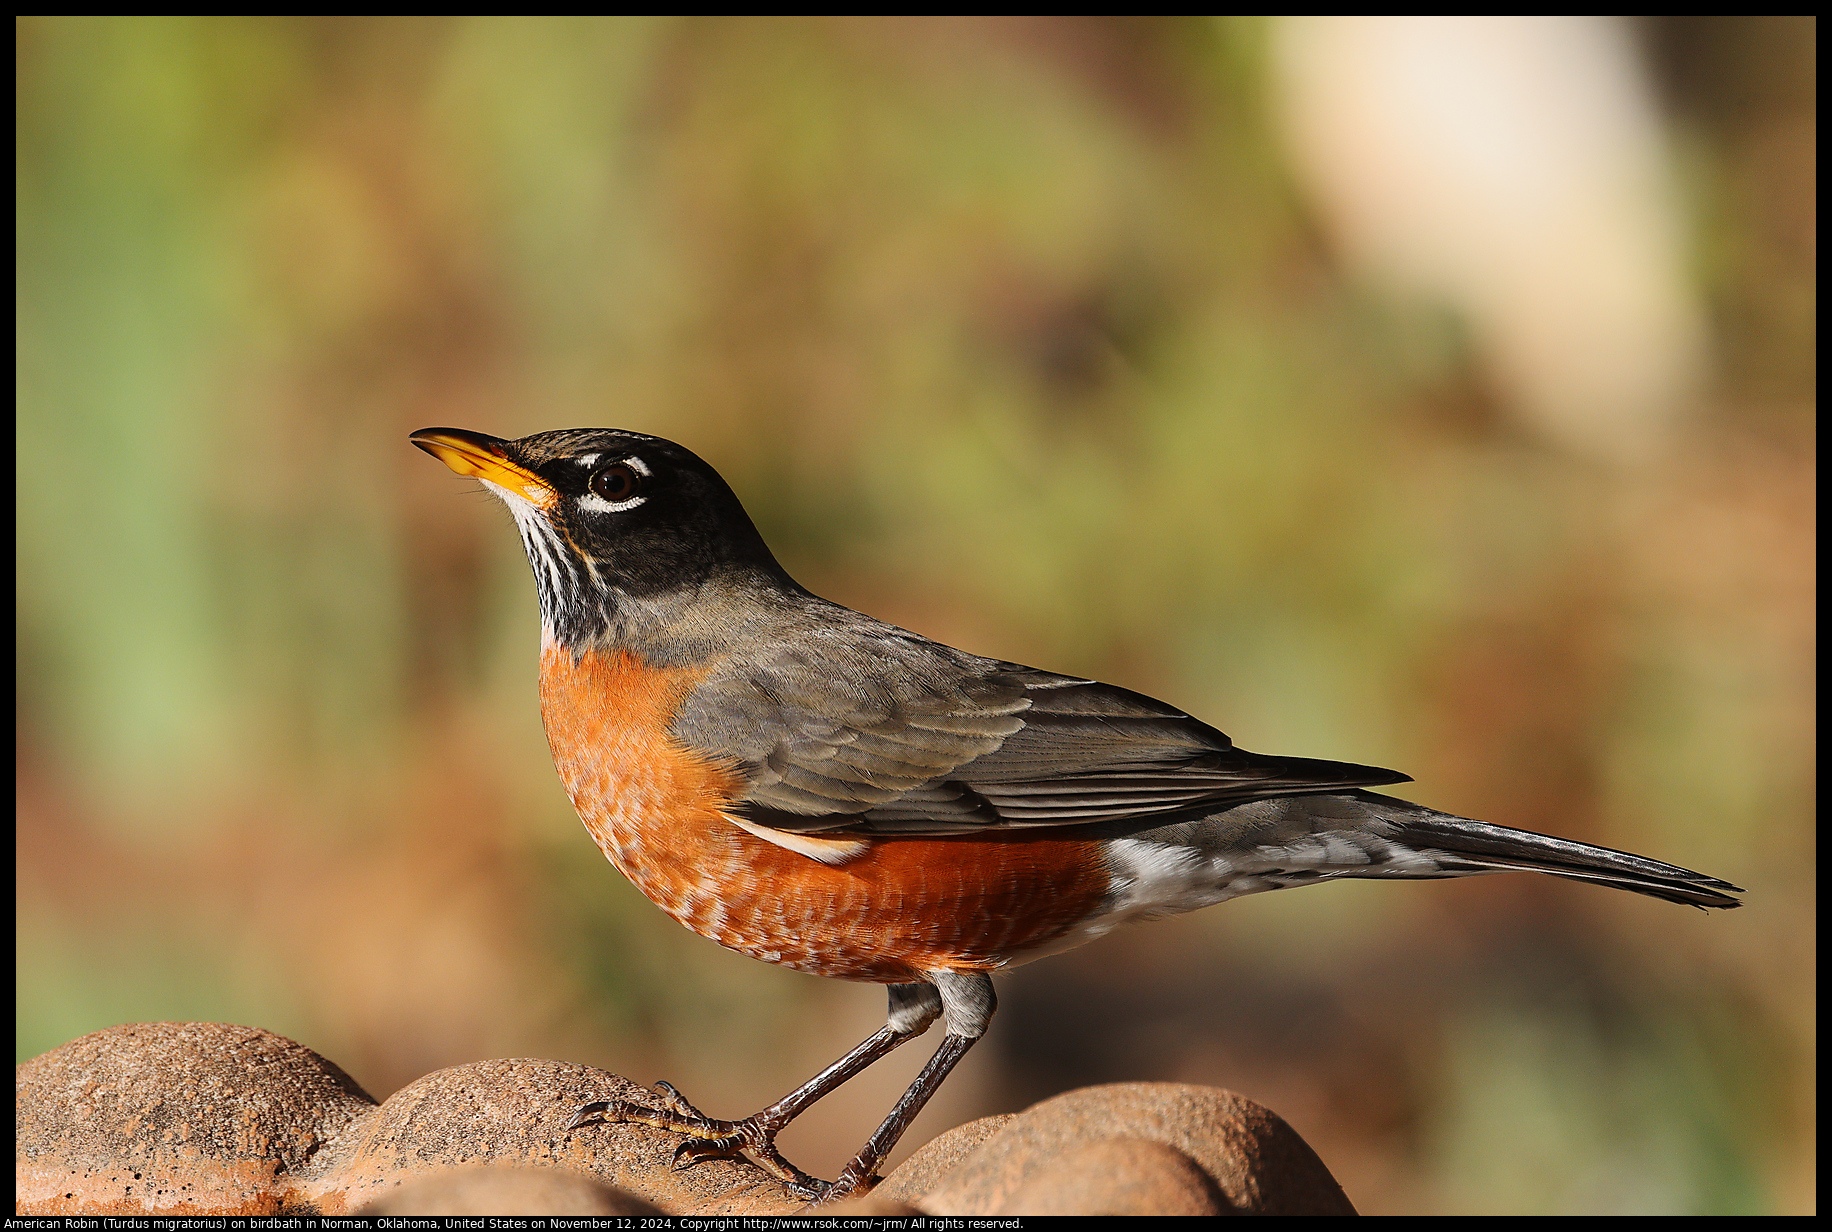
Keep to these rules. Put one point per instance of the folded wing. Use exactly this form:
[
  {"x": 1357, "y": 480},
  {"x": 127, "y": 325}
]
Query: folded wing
[{"x": 947, "y": 743}]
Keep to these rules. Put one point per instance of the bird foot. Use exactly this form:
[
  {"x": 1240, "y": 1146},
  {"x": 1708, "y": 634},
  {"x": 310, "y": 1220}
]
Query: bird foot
[{"x": 753, "y": 1138}]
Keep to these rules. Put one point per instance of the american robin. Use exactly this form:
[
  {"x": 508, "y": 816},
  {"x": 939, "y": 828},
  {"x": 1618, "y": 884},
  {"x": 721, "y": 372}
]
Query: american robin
[{"x": 816, "y": 788}]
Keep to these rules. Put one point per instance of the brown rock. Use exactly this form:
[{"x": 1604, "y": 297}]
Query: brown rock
[
  {"x": 507, "y": 1191},
  {"x": 870, "y": 1204},
  {"x": 514, "y": 1113},
  {"x": 1118, "y": 1176},
  {"x": 926, "y": 1169},
  {"x": 1257, "y": 1163},
  {"x": 199, "y": 1118},
  {"x": 174, "y": 1118}
]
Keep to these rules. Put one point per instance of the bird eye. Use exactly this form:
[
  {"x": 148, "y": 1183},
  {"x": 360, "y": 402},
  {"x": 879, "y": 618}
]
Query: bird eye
[{"x": 617, "y": 483}]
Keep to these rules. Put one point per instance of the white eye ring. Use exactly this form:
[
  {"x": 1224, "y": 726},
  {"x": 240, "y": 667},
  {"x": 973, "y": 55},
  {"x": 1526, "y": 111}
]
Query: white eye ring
[{"x": 598, "y": 504}]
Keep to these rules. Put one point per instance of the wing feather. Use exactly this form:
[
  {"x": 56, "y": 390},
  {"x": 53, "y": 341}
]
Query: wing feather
[{"x": 886, "y": 733}]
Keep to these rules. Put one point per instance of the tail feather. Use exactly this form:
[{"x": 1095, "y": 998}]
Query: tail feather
[
  {"x": 1462, "y": 845},
  {"x": 1288, "y": 841}
]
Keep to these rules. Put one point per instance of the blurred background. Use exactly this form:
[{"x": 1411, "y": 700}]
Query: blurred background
[{"x": 1431, "y": 393}]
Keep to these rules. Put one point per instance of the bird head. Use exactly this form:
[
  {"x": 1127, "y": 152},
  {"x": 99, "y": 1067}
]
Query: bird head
[{"x": 614, "y": 523}]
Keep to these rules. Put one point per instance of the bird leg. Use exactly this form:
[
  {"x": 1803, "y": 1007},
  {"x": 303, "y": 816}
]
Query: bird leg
[
  {"x": 913, "y": 1009},
  {"x": 968, "y": 1003},
  {"x": 857, "y": 1175}
]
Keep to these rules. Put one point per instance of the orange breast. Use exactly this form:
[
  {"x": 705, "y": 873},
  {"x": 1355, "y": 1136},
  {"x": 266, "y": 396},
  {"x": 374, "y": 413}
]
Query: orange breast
[{"x": 656, "y": 809}]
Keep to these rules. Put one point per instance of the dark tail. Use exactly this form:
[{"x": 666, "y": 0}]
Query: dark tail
[{"x": 1461, "y": 845}]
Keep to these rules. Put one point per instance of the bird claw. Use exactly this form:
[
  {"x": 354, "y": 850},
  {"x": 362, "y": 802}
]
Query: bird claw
[
  {"x": 586, "y": 1112},
  {"x": 693, "y": 1150},
  {"x": 677, "y": 1102},
  {"x": 705, "y": 1137},
  {"x": 849, "y": 1185}
]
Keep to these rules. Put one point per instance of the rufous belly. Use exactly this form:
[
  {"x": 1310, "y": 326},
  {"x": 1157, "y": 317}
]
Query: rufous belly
[{"x": 902, "y": 906}]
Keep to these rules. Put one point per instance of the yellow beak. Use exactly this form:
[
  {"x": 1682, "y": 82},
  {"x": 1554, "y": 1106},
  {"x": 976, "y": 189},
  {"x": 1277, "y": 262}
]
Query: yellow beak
[{"x": 486, "y": 458}]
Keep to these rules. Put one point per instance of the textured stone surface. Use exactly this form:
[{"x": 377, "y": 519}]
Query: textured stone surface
[
  {"x": 1258, "y": 1163},
  {"x": 175, "y": 1118},
  {"x": 1117, "y": 1176},
  {"x": 199, "y": 1118},
  {"x": 507, "y": 1191},
  {"x": 870, "y": 1204},
  {"x": 925, "y": 1169},
  {"x": 514, "y": 1113}
]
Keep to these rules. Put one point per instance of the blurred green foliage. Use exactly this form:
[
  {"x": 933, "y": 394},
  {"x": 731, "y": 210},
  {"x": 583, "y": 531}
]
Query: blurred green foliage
[{"x": 1014, "y": 331}]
